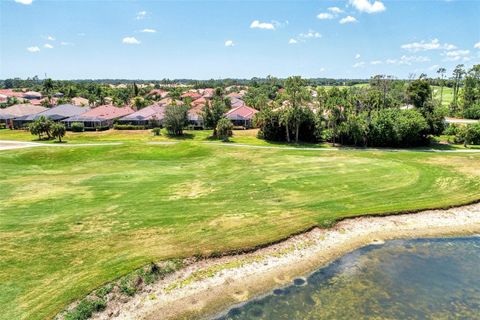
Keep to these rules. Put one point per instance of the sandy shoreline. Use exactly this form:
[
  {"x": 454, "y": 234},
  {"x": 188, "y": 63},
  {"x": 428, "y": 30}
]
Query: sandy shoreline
[{"x": 207, "y": 287}]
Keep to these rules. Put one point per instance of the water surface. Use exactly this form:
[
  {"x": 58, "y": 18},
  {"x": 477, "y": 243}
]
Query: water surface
[{"x": 401, "y": 279}]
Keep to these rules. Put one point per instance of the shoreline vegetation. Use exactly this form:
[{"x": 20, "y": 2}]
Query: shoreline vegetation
[{"x": 201, "y": 287}]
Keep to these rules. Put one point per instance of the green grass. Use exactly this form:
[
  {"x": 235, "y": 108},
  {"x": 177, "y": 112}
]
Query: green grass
[
  {"x": 74, "y": 218},
  {"x": 447, "y": 95}
]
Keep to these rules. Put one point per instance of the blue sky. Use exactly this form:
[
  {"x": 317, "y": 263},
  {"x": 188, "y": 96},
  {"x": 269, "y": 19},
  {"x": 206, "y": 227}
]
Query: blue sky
[{"x": 241, "y": 39}]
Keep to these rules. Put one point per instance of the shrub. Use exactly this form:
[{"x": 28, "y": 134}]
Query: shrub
[
  {"x": 451, "y": 129},
  {"x": 469, "y": 134},
  {"x": 128, "y": 127},
  {"x": 77, "y": 127},
  {"x": 58, "y": 131},
  {"x": 156, "y": 131},
  {"x": 472, "y": 112},
  {"x": 85, "y": 309},
  {"x": 224, "y": 129},
  {"x": 175, "y": 119}
]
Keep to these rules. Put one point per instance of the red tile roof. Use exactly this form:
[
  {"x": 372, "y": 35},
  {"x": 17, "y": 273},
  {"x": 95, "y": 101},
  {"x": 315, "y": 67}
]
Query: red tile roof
[
  {"x": 241, "y": 113},
  {"x": 11, "y": 93},
  {"x": 193, "y": 95},
  {"x": 198, "y": 101},
  {"x": 108, "y": 112}
]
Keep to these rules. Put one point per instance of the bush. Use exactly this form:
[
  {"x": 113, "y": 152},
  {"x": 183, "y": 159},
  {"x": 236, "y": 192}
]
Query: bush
[
  {"x": 156, "y": 131},
  {"x": 175, "y": 119},
  {"x": 451, "y": 129},
  {"x": 469, "y": 134},
  {"x": 224, "y": 129},
  {"x": 472, "y": 112},
  {"x": 85, "y": 309},
  {"x": 77, "y": 127},
  {"x": 128, "y": 127},
  {"x": 58, "y": 131}
]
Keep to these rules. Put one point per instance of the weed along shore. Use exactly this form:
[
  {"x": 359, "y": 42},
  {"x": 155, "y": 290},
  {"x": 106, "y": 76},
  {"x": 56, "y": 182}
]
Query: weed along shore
[{"x": 203, "y": 288}]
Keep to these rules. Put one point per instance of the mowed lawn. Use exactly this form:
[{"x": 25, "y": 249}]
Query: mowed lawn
[{"x": 74, "y": 218}]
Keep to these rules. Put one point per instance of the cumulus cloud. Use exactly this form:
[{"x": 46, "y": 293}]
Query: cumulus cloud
[
  {"x": 368, "y": 6},
  {"x": 375, "y": 62},
  {"x": 149, "y": 30},
  {"x": 457, "y": 55},
  {"x": 348, "y": 19},
  {"x": 427, "y": 45},
  {"x": 357, "y": 56},
  {"x": 407, "y": 60},
  {"x": 359, "y": 64},
  {"x": 64, "y": 43},
  {"x": 262, "y": 25},
  {"x": 477, "y": 45},
  {"x": 130, "y": 40},
  {"x": 325, "y": 16},
  {"x": 26, "y": 2},
  {"x": 335, "y": 10},
  {"x": 229, "y": 43},
  {"x": 292, "y": 41},
  {"x": 48, "y": 46},
  {"x": 141, "y": 15},
  {"x": 310, "y": 34},
  {"x": 33, "y": 49},
  {"x": 51, "y": 38}
]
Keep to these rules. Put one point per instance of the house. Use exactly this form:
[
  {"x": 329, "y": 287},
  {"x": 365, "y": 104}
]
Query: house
[
  {"x": 191, "y": 94},
  {"x": 32, "y": 95},
  {"x": 149, "y": 116},
  {"x": 57, "y": 113},
  {"x": 208, "y": 93},
  {"x": 101, "y": 117},
  {"x": 199, "y": 101},
  {"x": 79, "y": 101},
  {"x": 9, "y": 93},
  {"x": 158, "y": 94},
  {"x": 8, "y": 114},
  {"x": 236, "y": 102},
  {"x": 194, "y": 116},
  {"x": 241, "y": 116}
]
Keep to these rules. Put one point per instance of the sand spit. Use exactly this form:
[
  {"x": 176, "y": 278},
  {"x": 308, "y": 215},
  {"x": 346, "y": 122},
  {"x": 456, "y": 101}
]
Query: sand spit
[{"x": 205, "y": 288}]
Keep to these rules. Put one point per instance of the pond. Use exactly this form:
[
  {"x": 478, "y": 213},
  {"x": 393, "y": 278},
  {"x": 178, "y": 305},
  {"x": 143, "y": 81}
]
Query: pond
[{"x": 400, "y": 279}]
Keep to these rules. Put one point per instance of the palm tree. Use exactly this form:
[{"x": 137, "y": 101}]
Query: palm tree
[
  {"x": 48, "y": 85},
  {"x": 441, "y": 72}
]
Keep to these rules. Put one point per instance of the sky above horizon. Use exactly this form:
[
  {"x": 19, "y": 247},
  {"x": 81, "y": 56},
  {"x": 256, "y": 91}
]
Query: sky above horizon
[{"x": 135, "y": 39}]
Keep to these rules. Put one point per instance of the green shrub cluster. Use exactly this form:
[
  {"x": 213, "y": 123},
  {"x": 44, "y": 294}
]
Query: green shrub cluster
[
  {"x": 128, "y": 127},
  {"x": 77, "y": 127}
]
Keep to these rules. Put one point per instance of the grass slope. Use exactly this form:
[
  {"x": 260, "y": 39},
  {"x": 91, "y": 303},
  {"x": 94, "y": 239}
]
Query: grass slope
[{"x": 74, "y": 218}]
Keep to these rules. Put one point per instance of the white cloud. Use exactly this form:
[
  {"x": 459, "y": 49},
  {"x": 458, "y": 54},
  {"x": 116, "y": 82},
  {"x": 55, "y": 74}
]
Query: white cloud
[
  {"x": 310, "y": 34},
  {"x": 149, "y": 30},
  {"x": 427, "y": 45},
  {"x": 292, "y": 41},
  {"x": 434, "y": 67},
  {"x": 130, "y": 40},
  {"x": 51, "y": 38},
  {"x": 477, "y": 45},
  {"x": 367, "y": 6},
  {"x": 321, "y": 69},
  {"x": 141, "y": 15},
  {"x": 375, "y": 62},
  {"x": 48, "y": 45},
  {"x": 357, "y": 56},
  {"x": 325, "y": 16},
  {"x": 229, "y": 43},
  {"x": 348, "y": 19},
  {"x": 335, "y": 10},
  {"x": 359, "y": 64},
  {"x": 33, "y": 49},
  {"x": 457, "y": 55},
  {"x": 407, "y": 60},
  {"x": 24, "y": 1},
  {"x": 262, "y": 25},
  {"x": 64, "y": 43}
]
